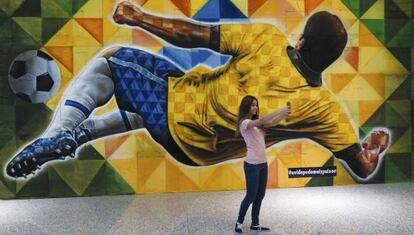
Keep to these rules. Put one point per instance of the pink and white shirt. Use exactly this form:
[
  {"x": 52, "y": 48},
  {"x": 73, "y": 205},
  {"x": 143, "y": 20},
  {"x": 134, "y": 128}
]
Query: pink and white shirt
[{"x": 255, "y": 142}]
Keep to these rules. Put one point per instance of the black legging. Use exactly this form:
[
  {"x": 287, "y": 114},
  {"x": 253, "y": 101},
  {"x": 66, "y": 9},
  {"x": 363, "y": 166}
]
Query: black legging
[{"x": 256, "y": 180}]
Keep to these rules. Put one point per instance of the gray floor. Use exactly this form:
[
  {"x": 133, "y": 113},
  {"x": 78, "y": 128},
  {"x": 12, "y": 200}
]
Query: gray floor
[{"x": 359, "y": 209}]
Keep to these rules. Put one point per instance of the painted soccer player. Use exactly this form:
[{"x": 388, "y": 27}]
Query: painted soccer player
[{"x": 193, "y": 114}]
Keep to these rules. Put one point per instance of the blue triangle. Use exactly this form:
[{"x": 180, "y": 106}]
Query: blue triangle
[
  {"x": 181, "y": 57},
  {"x": 199, "y": 56},
  {"x": 210, "y": 12},
  {"x": 229, "y": 11}
]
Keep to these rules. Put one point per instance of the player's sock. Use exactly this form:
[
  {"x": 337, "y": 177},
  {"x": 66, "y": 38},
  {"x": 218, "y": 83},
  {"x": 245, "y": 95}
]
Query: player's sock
[{"x": 108, "y": 124}]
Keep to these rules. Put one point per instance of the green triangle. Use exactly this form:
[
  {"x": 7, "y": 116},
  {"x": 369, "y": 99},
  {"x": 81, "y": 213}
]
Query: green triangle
[
  {"x": 8, "y": 147},
  {"x": 3, "y": 15},
  {"x": 51, "y": 9},
  {"x": 22, "y": 39},
  {"x": 376, "y": 26},
  {"x": 393, "y": 11},
  {"x": 404, "y": 38},
  {"x": 5, "y": 31},
  {"x": 392, "y": 27},
  {"x": 10, "y": 6},
  {"x": 402, "y": 144},
  {"x": 88, "y": 152},
  {"x": 365, "y": 5},
  {"x": 71, "y": 7},
  {"x": 108, "y": 182},
  {"x": 50, "y": 26},
  {"x": 353, "y": 6},
  {"x": 402, "y": 54},
  {"x": 30, "y": 8},
  {"x": 393, "y": 173},
  {"x": 57, "y": 186},
  {"x": 115, "y": 183},
  {"x": 34, "y": 187},
  {"x": 78, "y": 174},
  {"x": 32, "y": 25},
  {"x": 322, "y": 180},
  {"x": 393, "y": 117},
  {"x": 403, "y": 108},
  {"x": 36, "y": 122},
  {"x": 405, "y": 6}
]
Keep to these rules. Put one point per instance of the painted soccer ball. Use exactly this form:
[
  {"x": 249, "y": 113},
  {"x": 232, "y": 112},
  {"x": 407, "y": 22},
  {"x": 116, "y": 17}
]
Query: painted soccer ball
[{"x": 34, "y": 76}]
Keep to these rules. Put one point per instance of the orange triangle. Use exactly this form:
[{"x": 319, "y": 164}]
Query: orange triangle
[
  {"x": 254, "y": 5},
  {"x": 367, "y": 108},
  {"x": 144, "y": 39},
  {"x": 366, "y": 38},
  {"x": 377, "y": 81},
  {"x": 340, "y": 81},
  {"x": 184, "y": 6},
  {"x": 64, "y": 55},
  {"x": 311, "y": 5},
  {"x": 93, "y": 26},
  {"x": 352, "y": 56},
  {"x": 111, "y": 145},
  {"x": 171, "y": 177}
]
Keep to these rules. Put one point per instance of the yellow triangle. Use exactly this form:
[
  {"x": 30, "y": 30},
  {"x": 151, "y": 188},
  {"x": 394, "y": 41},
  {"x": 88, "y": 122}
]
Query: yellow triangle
[
  {"x": 187, "y": 178},
  {"x": 352, "y": 109},
  {"x": 116, "y": 34},
  {"x": 196, "y": 5},
  {"x": 313, "y": 155},
  {"x": 206, "y": 174},
  {"x": 127, "y": 168},
  {"x": 91, "y": 9},
  {"x": 155, "y": 182},
  {"x": 82, "y": 56},
  {"x": 242, "y": 5},
  {"x": 375, "y": 12},
  {"x": 338, "y": 8},
  {"x": 379, "y": 61},
  {"x": 342, "y": 176},
  {"x": 359, "y": 89},
  {"x": 81, "y": 37},
  {"x": 163, "y": 7},
  {"x": 192, "y": 173},
  {"x": 99, "y": 146},
  {"x": 353, "y": 30},
  {"x": 284, "y": 163},
  {"x": 267, "y": 11}
]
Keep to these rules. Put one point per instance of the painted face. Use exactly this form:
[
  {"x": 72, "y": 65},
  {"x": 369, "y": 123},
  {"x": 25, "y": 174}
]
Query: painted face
[{"x": 254, "y": 108}]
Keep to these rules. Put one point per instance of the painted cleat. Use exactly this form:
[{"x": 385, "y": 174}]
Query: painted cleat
[
  {"x": 43, "y": 150},
  {"x": 81, "y": 135}
]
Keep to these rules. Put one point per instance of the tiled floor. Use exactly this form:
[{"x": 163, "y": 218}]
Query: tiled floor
[{"x": 359, "y": 209}]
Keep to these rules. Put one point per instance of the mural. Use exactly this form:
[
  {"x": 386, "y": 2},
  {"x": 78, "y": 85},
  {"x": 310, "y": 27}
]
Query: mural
[{"x": 108, "y": 97}]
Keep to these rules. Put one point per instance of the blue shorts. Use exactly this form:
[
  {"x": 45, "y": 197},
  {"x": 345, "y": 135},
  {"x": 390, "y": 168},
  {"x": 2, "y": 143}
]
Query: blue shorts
[{"x": 141, "y": 86}]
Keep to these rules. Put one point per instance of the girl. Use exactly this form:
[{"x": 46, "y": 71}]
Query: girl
[{"x": 250, "y": 126}]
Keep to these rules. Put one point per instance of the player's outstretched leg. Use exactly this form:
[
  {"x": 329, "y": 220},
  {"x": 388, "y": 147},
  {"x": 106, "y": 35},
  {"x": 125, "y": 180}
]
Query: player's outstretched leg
[
  {"x": 115, "y": 122},
  {"x": 92, "y": 88}
]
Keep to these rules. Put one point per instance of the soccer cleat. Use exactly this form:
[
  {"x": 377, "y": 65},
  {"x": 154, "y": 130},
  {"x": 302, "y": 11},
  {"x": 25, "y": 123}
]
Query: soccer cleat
[
  {"x": 43, "y": 150},
  {"x": 81, "y": 135}
]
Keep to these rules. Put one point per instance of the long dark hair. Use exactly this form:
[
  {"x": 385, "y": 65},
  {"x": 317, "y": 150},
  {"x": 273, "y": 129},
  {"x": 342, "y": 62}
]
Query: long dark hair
[{"x": 244, "y": 110}]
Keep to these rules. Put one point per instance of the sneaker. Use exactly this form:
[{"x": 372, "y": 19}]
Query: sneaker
[
  {"x": 41, "y": 151},
  {"x": 238, "y": 228},
  {"x": 259, "y": 228}
]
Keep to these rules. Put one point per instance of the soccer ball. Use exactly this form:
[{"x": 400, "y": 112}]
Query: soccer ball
[{"x": 34, "y": 76}]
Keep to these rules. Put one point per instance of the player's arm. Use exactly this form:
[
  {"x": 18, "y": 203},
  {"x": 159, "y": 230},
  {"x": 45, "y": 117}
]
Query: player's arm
[
  {"x": 271, "y": 119},
  {"x": 179, "y": 32}
]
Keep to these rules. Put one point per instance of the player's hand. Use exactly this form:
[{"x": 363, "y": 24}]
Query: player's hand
[{"x": 126, "y": 12}]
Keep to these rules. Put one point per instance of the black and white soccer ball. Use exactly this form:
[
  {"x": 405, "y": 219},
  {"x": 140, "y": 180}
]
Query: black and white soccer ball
[{"x": 34, "y": 76}]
